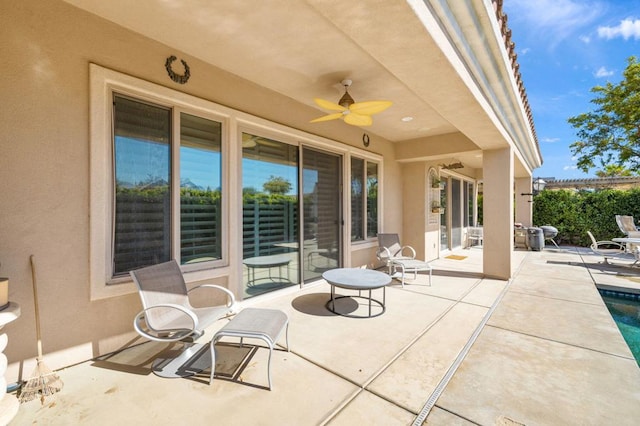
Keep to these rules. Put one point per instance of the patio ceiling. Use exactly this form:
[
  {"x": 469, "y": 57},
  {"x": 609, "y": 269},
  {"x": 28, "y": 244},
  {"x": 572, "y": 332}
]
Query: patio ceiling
[{"x": 391, "y": 50}]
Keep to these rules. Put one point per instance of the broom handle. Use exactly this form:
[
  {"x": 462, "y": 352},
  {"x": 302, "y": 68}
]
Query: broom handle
[{"x": 35, "y": 301}]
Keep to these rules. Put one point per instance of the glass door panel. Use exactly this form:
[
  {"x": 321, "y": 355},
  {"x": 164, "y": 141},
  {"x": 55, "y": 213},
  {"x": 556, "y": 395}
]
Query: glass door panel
[
  {"x": 321, "y": 177},
  {"x": 270, "y": 215},
  {"x": 456, "y": 213},
  {"x": 444, "y": 227}
]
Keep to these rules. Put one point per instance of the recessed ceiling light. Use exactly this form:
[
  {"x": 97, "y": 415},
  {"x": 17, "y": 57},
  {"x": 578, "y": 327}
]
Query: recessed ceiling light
[{"x": 407, "y": 119}]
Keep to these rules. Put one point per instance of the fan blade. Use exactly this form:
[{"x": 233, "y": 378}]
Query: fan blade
[
  {"x": 327, "y": 117},
  {"x": 331, "y": 106},
  {"x": 370, "y": 107},
  {"x": 356, "y": 119}
]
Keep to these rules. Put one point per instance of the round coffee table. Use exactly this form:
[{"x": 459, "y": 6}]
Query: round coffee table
[
  {"x": 271, "y": 261},
  {"x": 356, "y": 279}
]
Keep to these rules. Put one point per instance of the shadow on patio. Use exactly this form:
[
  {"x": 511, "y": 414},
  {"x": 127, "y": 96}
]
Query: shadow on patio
[{"x": 541, "y": 348}]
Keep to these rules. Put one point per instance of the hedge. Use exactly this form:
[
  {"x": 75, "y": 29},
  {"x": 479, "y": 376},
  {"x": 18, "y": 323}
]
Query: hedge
[{"x": 575, "y": 213}]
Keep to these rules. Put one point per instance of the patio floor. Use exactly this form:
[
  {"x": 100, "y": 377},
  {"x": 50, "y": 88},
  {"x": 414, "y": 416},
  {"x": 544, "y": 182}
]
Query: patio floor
[{"x": 539, "y": 349}]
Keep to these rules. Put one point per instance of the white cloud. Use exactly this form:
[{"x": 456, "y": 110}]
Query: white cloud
[
  {"x": 585, "y": 39},
  {"x": 524, "y": 51},
  {"x": 555, "y": 19},
  {"x": 627, "y": 29},
  {"x": 602, "y": 72},
  {"x": 550, "y": 140},
  {"x": 572, "y": 167}
]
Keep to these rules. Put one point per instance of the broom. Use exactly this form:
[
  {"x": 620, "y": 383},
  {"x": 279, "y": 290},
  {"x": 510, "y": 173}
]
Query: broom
[{"x": 43, "y": 381}]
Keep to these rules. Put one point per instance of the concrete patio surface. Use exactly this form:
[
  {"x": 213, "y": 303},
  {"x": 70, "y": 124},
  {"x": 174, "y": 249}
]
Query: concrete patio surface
[{"x": 540, "y": 349}]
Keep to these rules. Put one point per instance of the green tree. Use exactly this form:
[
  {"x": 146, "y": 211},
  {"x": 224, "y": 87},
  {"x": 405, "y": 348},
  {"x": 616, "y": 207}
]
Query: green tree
[
  {"x": 611, "y": 133},
  {"x": 613, "y": 170},
  {"x": 277, "y": 185}
]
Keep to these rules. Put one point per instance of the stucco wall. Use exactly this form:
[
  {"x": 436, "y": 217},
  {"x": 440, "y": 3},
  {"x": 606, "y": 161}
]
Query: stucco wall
[
  {"x": 417, "y": 230},
  {"x": 44, "y": 168}
]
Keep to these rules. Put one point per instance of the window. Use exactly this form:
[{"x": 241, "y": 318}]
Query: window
[
  {"x": 357, "y": 199},
  {"x": 364, "y": 199},
  {"x": 372, "y": 200},
  {"x": 142, "y": 209},
  {"x": 145, "y": 221},
  {"x": 469, "y": 193},
  {"x": 200, "y": 189}
]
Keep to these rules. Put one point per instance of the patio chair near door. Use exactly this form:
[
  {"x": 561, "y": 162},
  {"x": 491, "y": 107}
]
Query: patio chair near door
[
  {"x": 168, "y": 316},
  {"x": 475, "y": 235},
  {"x": 400, "y": 259},
  {"x": 389, "y": 249}
]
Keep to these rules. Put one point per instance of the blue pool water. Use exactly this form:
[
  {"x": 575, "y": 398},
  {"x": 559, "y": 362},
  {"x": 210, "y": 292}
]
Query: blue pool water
[{"x": 625, "y": 310}]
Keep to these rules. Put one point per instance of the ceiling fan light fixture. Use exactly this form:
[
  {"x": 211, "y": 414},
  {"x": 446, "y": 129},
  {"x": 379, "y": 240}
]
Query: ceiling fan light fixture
[
  {"x": 351, "y": 112},
  {"x": 346, "y": 100}
]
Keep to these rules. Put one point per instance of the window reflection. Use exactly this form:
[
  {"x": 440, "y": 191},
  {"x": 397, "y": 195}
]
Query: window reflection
[
  {"x": 200, "y": 189},
  {"x": 357, "y": 199},
  {"x": 142, "y": 211},
  {"x": 270, "y": 214},
  {"x": 372, "y": 199}
]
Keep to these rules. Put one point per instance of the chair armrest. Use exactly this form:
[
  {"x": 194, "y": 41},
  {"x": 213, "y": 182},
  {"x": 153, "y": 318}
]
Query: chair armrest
[
  {"x": 231, "y": 300},
  {"x": 387, "y": 254},
  {"x": 413, "y": 252},
  {"x": 165, "y": 335}
]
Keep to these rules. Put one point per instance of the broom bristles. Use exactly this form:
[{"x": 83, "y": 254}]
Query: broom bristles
[{"x": 43, "y": 383}]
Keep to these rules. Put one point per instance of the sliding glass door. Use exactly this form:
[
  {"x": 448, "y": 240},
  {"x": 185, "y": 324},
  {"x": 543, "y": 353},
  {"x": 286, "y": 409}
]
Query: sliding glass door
[
  {"x": 273, "y": 211},
  {"x": 270, "y": 219},
  {"x": 444, "y": 223},
  {"x": 456, "y": 213},
  {"x": 322, "y": 207}
]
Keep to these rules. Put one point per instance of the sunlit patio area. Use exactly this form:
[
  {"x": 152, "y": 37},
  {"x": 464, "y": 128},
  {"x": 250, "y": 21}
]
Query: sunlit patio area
[
  {"x": 255, "y": 152},
  {"x": 541, "y": 348}
]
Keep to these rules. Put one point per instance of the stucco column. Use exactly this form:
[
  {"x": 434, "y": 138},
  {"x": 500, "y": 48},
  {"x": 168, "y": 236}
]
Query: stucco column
[
  {"x": 414, "y": 212},
  {"x": 524, "y": 209},
  {"x": 498, "y": 212}
]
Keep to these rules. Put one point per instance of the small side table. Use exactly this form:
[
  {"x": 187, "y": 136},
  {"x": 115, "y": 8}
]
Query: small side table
[
  {"x": 253, "y": 323},
  {"x": 8, "y": 403}
]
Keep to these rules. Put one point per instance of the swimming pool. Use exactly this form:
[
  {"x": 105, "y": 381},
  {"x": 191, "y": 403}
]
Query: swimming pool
[{"x": 625, "y": 310}]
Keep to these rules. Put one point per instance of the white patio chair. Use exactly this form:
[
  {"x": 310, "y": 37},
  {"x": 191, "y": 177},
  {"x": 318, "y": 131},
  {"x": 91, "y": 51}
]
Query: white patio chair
[
  {"x": 389, "y": 249},
  {"x": 627, "y": 226},
  {"x": 612, "y": 250},
  {"x": 475, "y": 235},
  {"x": 167, "y": 315}
]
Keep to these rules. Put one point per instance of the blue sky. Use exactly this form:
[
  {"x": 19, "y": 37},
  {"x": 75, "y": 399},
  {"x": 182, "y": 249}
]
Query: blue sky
[{"x": 566, "y": 47}]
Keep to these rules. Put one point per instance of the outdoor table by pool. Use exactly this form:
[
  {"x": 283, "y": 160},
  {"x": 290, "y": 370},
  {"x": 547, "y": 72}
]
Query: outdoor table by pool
[
  {"x": 269, "y": 262},
  {"x": 356, "y": 279}
]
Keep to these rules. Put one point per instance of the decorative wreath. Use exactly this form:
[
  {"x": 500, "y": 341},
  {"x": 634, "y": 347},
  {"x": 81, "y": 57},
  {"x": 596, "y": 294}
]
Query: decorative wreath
[{"x": 180, "y": 79}]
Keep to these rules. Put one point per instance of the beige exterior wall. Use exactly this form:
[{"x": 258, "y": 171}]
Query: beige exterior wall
[
  {"x": 45, "y": 169},
  {"x": 421, "y": 227},
  {"x": 524, "y": 208}
]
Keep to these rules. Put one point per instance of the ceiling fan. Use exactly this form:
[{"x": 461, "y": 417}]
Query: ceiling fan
[{"x": 352, "y": 112}]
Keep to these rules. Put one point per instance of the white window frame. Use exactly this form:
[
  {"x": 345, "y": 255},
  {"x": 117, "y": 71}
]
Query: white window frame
[
  {"x": 365, "y": 220},
  {"x": 104, "y": 84}
]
